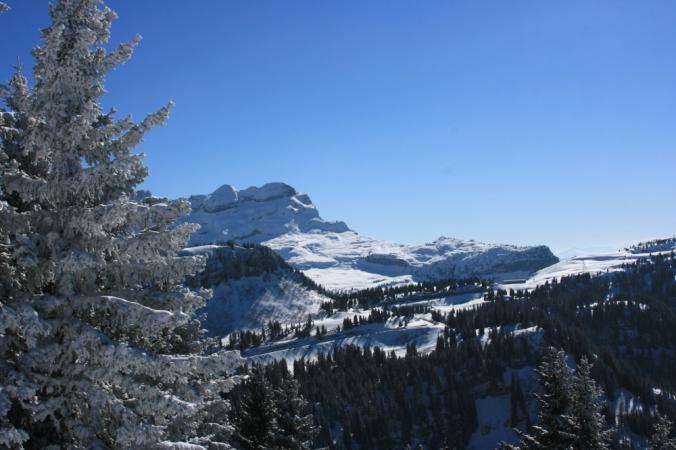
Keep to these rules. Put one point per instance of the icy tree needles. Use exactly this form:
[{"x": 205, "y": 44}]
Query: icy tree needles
[{"x": 94, "y": 323}]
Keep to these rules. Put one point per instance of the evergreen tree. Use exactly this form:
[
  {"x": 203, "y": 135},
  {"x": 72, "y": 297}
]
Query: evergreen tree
[
  {"x": 555, "y": 428},
  {"x": 95, "y": 326},
  {"x": 589, "y": 425},
  {"x": 569, "y": 408},
  {"x": 296, "y": 428},
  {"x": 662, "y": 439},
  {"x": 257, "y": 427}
]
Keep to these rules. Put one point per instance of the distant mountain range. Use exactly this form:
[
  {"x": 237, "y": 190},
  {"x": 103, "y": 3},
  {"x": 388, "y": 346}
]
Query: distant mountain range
[{"x": 337, "y": 257}]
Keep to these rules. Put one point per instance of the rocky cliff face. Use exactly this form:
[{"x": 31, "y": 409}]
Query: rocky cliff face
[
  {"x": 256, "y": 214},
  {"x": 336, "y": 256}
]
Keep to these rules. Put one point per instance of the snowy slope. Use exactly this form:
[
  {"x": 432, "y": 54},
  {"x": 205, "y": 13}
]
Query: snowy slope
[
  {"x": 249, "y": 289},
  {"x": 594, "y": 264},
  {"x": 339, "y": 258},
  {"x": 393, "y": 335},
  {"x": 250, "y": 302},
  {"x": 252, "y": 285}
]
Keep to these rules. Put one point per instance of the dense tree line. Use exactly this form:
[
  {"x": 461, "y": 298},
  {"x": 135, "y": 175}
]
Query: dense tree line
[
  {"x": 342, "y": 300},
  {"x": 269, "y": 411},
  {"x": 274, "y": 330},
  {"x": 627, "y": 319},
  {"x": 235, "y": 261},
  {"x": 654, "y": 246},
  {"x": 367, "y": 398},
  {"x": 379, "y": 400}
]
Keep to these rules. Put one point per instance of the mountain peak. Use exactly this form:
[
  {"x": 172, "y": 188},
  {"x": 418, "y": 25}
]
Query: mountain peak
[
  {"x": 268, "y": 191},
  {"x": 255, "y": 214},
  {"x": 220, "y": 199}
]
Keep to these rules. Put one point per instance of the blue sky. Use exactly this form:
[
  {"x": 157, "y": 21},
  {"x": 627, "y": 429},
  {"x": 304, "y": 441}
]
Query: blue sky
[{"x": 505, "y": 121}]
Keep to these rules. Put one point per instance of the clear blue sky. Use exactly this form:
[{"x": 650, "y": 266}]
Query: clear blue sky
[{"x": 512, "y": 121}]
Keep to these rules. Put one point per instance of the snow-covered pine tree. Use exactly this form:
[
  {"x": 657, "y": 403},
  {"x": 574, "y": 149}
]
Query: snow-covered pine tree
[
  {"x": 589, "y": 425},
  {"x": 555, "y": 426},
  {"x": 662, "y": 438},
  {"x": 95, "y": 327}
]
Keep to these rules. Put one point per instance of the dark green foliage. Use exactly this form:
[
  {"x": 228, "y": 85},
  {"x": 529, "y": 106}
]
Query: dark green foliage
[
  {"x": 256, "y": 422},
  {"x": 568, "y": 408},
  {"x": 518, "y": 409},
  {"x": 654, "y": 246},
  {"x": 384, "y": 295},
  {"x": 297, "y": 429},
  {"x": 380, "y": 401},
  {"x": 269, "y": 411},
  {"x": 232, "y": 262}
]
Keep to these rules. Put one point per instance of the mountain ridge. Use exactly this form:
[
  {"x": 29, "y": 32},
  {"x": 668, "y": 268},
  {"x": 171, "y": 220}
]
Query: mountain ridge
[{"x": 331, "y": 253}]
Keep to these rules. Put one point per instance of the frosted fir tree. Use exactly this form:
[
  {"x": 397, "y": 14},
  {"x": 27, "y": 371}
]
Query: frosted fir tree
[
  {"x": 589, "y": 425},
  {"x": 555, "y": 428},
  {"x": 97, "y": 334}
]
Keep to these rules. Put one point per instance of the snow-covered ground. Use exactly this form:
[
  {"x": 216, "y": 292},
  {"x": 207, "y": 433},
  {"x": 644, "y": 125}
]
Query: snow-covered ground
[
  {"x": 346, "y": 260},
  {"x": 342, "y": 278},
  {"x": 446, "y": 304},
  {"x": 250, "y": 302},
  {"x": 287, "y": 221},
  {"x": 594, "y": 264},
  {"x": 393, "y": 335}
]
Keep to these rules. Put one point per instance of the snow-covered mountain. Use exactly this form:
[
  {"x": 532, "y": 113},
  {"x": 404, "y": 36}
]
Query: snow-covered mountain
[{"x": 339, "y": 258}]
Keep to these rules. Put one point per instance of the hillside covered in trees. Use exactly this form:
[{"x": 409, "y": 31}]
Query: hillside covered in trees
[{"x": 622, "y": 323}]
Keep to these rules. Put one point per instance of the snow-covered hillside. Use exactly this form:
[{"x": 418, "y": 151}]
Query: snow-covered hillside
[
  {"x": 393, "y": 335},
  {"x": 591, "y": 263},
  {"x": 339, "y": 258},
  {"x": 251, "y": 286}
]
